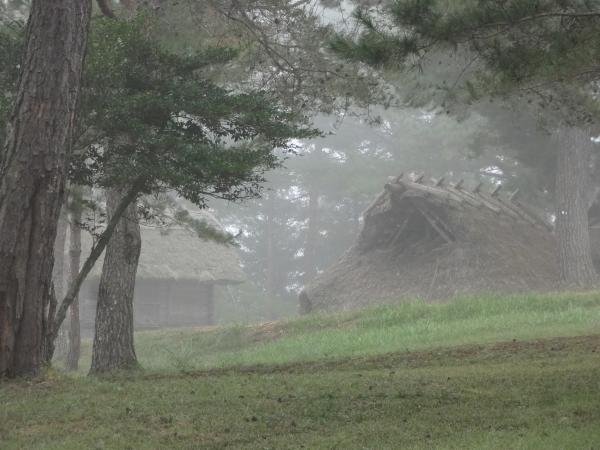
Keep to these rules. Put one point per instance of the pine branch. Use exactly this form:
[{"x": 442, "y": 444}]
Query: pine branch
[{"x": 548, "y": 15}]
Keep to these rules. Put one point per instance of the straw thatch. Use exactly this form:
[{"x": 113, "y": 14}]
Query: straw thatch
[
  {"x": 436, "y": 240},
  {"x": 179, "y": 254}
]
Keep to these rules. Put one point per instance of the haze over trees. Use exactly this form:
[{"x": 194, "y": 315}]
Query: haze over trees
[
  {"x": 309, "y": 80},
  {"x": 299, "y": 223}
]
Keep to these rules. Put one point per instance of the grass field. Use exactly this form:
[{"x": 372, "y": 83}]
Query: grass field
[{"x": 495, "y": 372}]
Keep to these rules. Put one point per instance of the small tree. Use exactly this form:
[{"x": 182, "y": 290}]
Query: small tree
[
  {"x": 149, "y": 122},
  {"x": 156, "y": 125}
]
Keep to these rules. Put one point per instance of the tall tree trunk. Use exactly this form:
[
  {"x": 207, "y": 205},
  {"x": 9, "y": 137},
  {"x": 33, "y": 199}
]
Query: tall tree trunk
[
  {"x": 572, "y": 200},
  {"x": 95, "y": 253},
  {"x": 312, "y": 235},
  {"x": 59, "y": 270},
  {"x": 32, "y": 175},
  {"x": 270, "y": 288},
  {"x": 113, "y": 339},
  {"x": 74, "y": 265}
]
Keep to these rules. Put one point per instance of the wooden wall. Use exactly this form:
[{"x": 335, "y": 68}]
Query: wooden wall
[{"x": 159, "y": 303}]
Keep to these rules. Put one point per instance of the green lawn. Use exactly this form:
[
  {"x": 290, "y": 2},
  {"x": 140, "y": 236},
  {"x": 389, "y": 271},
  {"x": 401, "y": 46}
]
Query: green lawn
[
  {"x": 504, "y": 372},
  {"x": 406, "y": 327}
]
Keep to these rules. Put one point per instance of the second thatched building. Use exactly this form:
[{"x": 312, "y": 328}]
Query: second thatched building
[{"x": 177, "y": 277}]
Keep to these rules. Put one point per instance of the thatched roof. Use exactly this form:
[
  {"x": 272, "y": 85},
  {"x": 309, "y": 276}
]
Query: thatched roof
[
  {"x": 179, "y": 254},
  {"x": 434, "y": 240}
]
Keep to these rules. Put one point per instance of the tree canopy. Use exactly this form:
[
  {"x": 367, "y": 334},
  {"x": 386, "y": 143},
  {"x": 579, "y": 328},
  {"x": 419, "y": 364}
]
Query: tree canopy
[
  {"x": 150, "y": 114},
  {"x": 543, "y": 50},
  {"x": 149, "y": 121}
]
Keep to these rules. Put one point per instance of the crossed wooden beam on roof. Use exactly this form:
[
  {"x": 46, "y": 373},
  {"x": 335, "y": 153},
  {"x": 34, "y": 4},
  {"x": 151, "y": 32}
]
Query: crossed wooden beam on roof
[{"x": 476, "y": 197}]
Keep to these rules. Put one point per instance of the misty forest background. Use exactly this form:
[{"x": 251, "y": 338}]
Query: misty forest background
[{"x": 291, "y": 122}]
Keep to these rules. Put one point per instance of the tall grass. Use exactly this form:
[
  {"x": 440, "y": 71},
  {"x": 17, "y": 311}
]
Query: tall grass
[{"x": 404, "y": 327}]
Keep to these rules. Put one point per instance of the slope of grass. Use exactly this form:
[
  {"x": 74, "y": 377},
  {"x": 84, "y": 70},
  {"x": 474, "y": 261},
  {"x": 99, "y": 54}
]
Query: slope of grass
[
  {"x": 542, "y": 394},
  {"x": 518, "y": 372},
  {"x": 405, "y": 327}
]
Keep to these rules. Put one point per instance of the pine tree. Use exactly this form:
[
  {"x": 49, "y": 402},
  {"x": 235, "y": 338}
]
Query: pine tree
[
  {"x": 150, "y": 123},
  {"x": 33, "y": 174}
]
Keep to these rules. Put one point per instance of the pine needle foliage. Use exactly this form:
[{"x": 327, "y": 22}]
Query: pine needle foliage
[
  {"x": 151, "y": 117},
  {"x": 519, "y": 42},
  {"x": 149, "y": 114}
]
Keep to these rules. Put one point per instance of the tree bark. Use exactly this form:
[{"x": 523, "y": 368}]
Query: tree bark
[
  {"x": 572, "y": 201},
  {"x": 32, "y": 175},
  {"x": 58, "y": 271},
  {"x": 312, "y": 234},
  {"x": 105, "y": 8},
  {"x": 75, "y": 262},
  {"x": 270, "y": 288},
  {"x": 96, "y": 252},
  {"x": 113, "y": 339}
]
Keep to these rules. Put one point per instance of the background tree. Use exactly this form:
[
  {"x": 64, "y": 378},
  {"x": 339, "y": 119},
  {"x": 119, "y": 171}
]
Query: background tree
[
  {"x": 76, "y": 212},
  {"x": 113, "y": 346},
  {"x": 282, "y": 48}
]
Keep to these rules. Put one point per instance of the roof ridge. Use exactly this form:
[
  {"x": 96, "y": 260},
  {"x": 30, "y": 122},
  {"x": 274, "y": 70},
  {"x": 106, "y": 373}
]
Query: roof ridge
[{"x": 476, "y": 197}]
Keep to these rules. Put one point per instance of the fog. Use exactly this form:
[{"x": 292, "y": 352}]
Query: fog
[
  {"x": 260, "y": 224},
  {"x": 429, "y": 127},
  {"x": 311, "y": 211}
]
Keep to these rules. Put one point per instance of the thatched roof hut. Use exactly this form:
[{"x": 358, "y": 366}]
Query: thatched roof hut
[
  {"x": 436, "y": 240},
  {"x": 176, "y": 277},
  {"x": 178, "y": 254}
]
